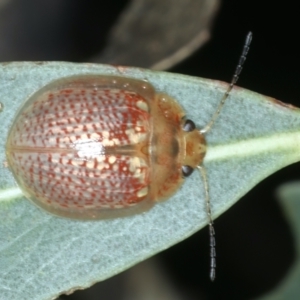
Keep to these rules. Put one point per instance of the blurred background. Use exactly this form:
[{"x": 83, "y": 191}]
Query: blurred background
[{"x": 255, "y": 247}]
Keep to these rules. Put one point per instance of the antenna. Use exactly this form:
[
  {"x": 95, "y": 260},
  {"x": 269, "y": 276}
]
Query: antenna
[
  {"x": 234, "y": 80},
  {"x": 212, "y": 273}
]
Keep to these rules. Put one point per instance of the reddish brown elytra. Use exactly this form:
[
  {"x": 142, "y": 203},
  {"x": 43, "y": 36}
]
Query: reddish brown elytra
[{"x": 96, "y": 147}]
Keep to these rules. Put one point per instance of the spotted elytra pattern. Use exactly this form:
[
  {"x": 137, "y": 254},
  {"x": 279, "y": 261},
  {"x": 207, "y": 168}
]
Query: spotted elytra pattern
[{"x": 92, "y": 147}]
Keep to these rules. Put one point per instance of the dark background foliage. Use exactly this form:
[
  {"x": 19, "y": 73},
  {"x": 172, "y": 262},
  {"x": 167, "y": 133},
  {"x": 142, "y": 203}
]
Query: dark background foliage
[{"x": 255, "y": 246}]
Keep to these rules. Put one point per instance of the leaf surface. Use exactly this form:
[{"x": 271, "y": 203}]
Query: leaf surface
[{"x": 42, "y": 256}]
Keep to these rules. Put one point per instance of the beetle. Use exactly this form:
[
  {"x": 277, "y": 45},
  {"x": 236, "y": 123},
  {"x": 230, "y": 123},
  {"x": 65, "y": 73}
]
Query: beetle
[{"x": 95, "y": 147}]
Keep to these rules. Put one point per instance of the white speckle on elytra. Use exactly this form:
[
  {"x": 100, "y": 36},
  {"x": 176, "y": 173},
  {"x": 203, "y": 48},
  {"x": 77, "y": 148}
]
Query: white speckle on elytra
[
  {"x": 100, "y": 158},
  {"x": 74, "y": 162},
  {"x": 65, "y": 160},
  {"x": 56, "y": 170},
  {"x": 90, "y": 164},
  {"x": 116, "y": 141},
  {"x": 95, "y": 136},
  {"x": 100, "y": 166},
  {"x": 143, "y": 192},
  {"x": 119, "y": 116},
  {"x": 84, "y": 136},
  {"x": 69, "y": 128},
  {"x": 134, "y": 163},
  {"x": 46, "y": 167},
  {"x": 131, "y": 135},
  {"x": 112, "y": 159},
  {"x": 54, "y": 158},
  {"x": 107, "y": 142},
  {"x": 142, "y": 105},
  {"x": 73, "y": 139},
  {"x": 105, "y": 134}
]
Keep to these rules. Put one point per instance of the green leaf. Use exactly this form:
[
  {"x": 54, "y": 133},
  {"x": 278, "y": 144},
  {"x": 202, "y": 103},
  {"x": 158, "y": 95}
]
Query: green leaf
[{"x": 42, "y": 255}]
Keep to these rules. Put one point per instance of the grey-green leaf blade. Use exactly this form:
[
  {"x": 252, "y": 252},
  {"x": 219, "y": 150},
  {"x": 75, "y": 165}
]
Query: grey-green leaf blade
[{"x": 42, "y": 256}]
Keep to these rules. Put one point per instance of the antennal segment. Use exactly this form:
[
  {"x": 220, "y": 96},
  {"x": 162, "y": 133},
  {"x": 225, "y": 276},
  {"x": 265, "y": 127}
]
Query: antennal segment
[
  {"x": 201, "y": 168},
  {"x": 234, "y": 80},
  {"x": 212, "y": 243}
]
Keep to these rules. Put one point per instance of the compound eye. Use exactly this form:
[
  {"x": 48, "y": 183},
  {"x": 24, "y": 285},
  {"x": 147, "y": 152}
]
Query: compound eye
[
  {"x": 189, "y": 125},
  {"x": 186, "y": 171}
]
